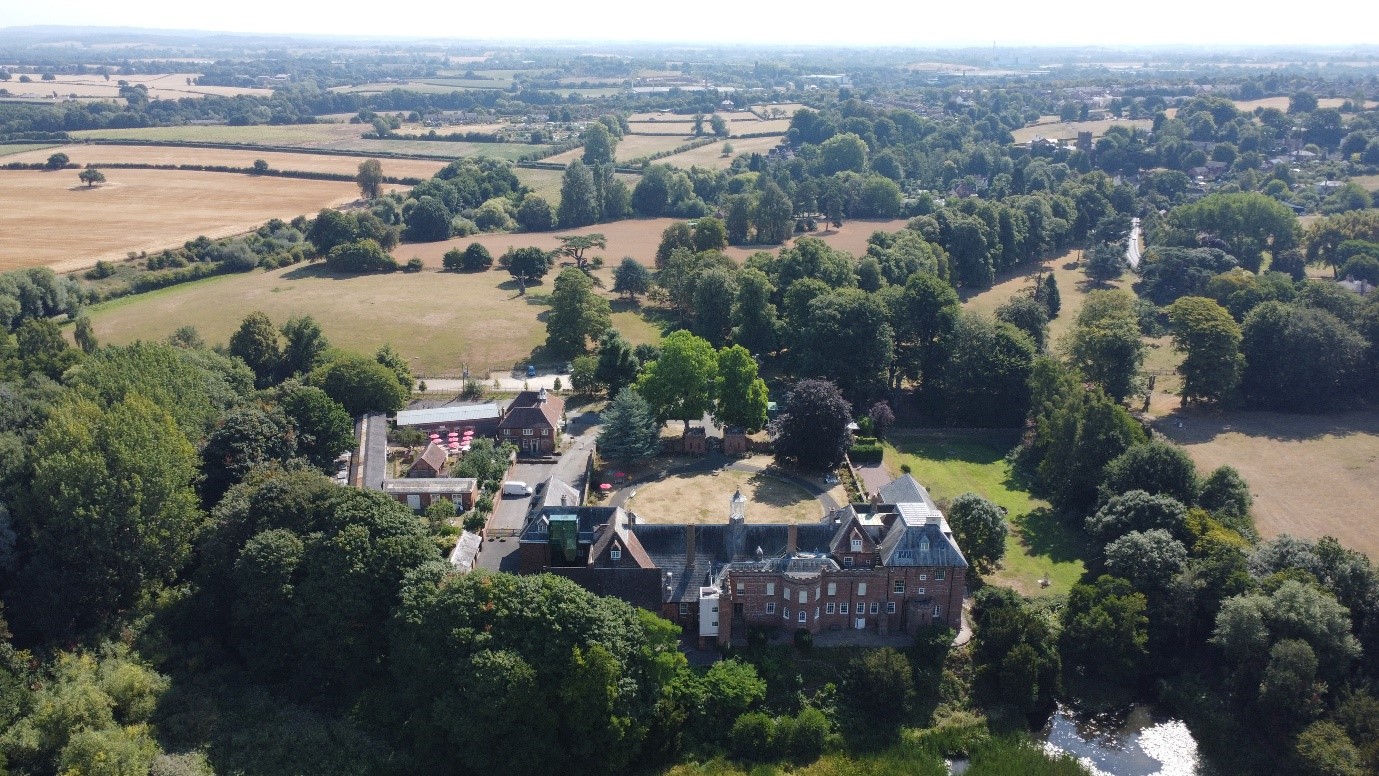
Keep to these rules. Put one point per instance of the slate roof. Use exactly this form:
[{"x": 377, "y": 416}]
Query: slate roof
[
  {"x": 905, "y": 489},
  {"x": 528, "y": 411},
  {"x": 555, "y": 489},
  {"x": 716, "y": 546},
  {"x": 920, "y": 536},
  {"x": 433, "y": 485},
  {"x": 588, "y": 520}
]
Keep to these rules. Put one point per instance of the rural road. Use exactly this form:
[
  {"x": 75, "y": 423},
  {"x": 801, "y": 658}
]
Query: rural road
[{"x": 1132, "y": 248}]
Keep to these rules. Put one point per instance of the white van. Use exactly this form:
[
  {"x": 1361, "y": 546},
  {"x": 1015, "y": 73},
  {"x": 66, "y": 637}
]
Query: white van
[{"x": 515, "y": 488}]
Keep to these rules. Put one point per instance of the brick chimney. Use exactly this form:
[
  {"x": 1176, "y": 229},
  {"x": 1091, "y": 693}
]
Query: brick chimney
[
  {"x": 689, "y": 548},
  {"x": 792, "y": 538}
]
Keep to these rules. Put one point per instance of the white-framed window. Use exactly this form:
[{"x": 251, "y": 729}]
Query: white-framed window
[
  {"x": 804, "y": 596},
  {"x": 833, "y": 588},
  {"x": 830, "y": 608},
  {"x": 684, "y": 610},
  {"x": 785, "y": 613},
  {"x": 528, "y": 432},
  {"x": 804, "y": 616},
  {"x": 940, "y": 574},
  {"x": 923, "y": 544},
  {"x": 741, "y": 587},
  {"x": 919, "y": 591},
  {"x": 875, "y": 608},
  {"x": 923, "y": 577},
  {"x": 856, "y": 544},
  {"x": 771, "y": 608},
  {"x": 714, "y": 610},
  {"x": 861, "y": 588},
  {"x": 890, "y": 607},
  {"x": 615, "y": 553},
  {"x": 899, "y": 586},
  {"x": 545, "y": 432},
  {"x": 847, "y": 561},
  {"x": 816, "y": 612},
  {"x": 770, "y": 588},
  {"x": 507, "y": 432},
  {"x": 818, "y": 592},
  {"x": 938, "y": 612},
  {"x": 843, "y": 608}
]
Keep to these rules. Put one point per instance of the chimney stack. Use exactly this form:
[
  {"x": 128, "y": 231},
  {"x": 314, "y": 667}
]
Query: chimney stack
[
  {"x": 689, "y": 547},
  {"x": 792, "y": 538}
]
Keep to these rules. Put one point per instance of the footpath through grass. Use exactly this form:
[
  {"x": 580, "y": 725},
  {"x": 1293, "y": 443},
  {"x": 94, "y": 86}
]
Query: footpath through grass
[{"x": 951, "y": 463}]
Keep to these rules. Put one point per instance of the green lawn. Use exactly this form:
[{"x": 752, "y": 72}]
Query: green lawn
[
  {"x": 952, "y": 463},
  {"x": 18, "y": 148}
]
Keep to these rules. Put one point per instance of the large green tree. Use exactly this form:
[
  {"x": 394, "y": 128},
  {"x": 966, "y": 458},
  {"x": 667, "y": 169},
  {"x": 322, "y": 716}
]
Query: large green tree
[
  {"x": 578, "y": 314},
  {"x": 756, "y": 325},
  {"x": 1105, "y": 344},
  {"x": 980, "y": 530},
  {"x": 1209, "y": 339},
  {"x": 846, "y": 338},
  {"x": 600, "y": 147},
  {"x": 630, "y": 431},
  {"x": 1299, "y": 358},
  {"x": 111, "y": 511},
  {"x": 742, "y": 396},
  {"x": 256, "y": 343},
  {"x": 681, "y": 384},
  {"x": 1105, "y": 630},
  {"x": 360, "y": 384},
  {"x": 304, "y": 347},
  {"x": 985, "y": 380},
  {"x": 579, "y": 199}
]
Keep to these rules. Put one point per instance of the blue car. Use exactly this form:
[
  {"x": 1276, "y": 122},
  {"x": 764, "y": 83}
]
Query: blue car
[{"x": 531, "y": 371}]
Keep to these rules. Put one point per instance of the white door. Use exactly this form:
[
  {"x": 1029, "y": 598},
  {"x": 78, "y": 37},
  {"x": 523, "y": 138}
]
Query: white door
[
  {"x": 414, "y": 502},
  {"x": 861, "y": 623}
]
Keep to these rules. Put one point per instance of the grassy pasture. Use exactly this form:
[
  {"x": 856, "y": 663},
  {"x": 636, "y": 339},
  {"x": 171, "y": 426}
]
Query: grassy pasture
[
  {"x": 436, "y": 320},
  {"x": 326, "y": 137},
  {"x": 51, "y": 219},
  {"x": 711, "y": 156},
  {"x": 142, "y": 154},
  {"x": 10, "y": 149},
  {"x": 1310, "y": 475},
  {"x": 951, "y": 463},
  {"x": 166, "y": 86},
  {"x": 1067, "y": 130},
  {"x": 851, "y": 237}
]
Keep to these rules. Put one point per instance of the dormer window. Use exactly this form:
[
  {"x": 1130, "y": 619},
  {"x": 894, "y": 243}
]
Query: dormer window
[
  {"x": 856, "y": 544},
  {"x": 615, "y": 553},
  {"x": 923, "y": 544}
]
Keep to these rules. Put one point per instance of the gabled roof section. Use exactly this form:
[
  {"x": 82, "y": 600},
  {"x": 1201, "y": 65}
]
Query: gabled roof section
[
  {"x": 919, "y": 536},
  {"x": 456, "y": 414},
  {"x": 905, "y": 489},
  {"x": 625, "y": 540},
  {"x": 870, "y": 531},
  {"x": 531, "y": 409},
  {"x": 434, "y": 458}
]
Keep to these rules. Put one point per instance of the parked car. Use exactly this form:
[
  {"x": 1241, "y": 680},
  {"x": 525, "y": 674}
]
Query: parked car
[{"x": 531, "y": 371}]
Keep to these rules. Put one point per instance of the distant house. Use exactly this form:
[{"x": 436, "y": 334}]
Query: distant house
[
  {"x": 482, "y": 418},
  {"x": 532, "y": 421},
  {"x": 421, "y": 492},
  {"x": 430, "y": 463}
]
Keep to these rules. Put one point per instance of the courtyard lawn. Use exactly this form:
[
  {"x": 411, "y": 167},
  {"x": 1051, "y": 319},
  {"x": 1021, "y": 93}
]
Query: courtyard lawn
[{"x": 950, "y": 463}]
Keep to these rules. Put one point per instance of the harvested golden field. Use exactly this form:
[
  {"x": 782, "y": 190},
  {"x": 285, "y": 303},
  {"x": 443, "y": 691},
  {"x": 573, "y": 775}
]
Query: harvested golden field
[
  {"x": 168, "y": 86},
  {"x": 1282, "y": 103},
  {"x": 711, "y": 156},
  {"x": 1067, "y": 130},
  {"x": 1072, "y": 290},
  {"x": 51, "y": 219},
  {"x": 637, "y": 238},
  {"x": 1310, "y": 475},
  {"x": 87, "y": 153},
  {"x": 438, "y": 321},
  {"x": 739, "y": 123},
  {"x": 851, "y": 237}
]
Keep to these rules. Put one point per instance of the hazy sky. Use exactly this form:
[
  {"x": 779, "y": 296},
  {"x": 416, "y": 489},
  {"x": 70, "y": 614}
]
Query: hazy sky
[{"x": 881, "y": 22}]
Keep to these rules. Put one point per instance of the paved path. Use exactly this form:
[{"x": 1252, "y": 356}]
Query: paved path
[
  {"x": 874, "y": 476},
  {"x": 715, "y": 461},
  {"x": 1132, "y": 247}
]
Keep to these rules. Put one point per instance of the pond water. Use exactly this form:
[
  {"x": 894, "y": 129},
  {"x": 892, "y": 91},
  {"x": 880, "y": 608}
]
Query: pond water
[{"x": 1135, "y": 741}]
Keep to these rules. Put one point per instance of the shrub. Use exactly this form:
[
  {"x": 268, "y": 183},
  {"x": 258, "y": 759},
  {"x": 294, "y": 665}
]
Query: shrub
[
  {"x": 103, "y": 269},
  {"x": 360, "y": 256},
  {"x": 414, "y": 264}
]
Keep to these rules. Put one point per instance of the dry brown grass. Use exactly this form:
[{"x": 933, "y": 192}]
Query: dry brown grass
[
  {"x": 1310, "y": 475},
  {"x": 1282, "y": 103},
  {"x": 1067, "y": 130},
  {"x": 851, "y": 237},
  {"x": 141, "y": 154},
  {"x": 51, "y": 219},
  {"x": 739, "y": 123},
  {"x": 630, "y": 147},
  {"x": 703, "y": 498},
  {"x": 711, "y": 156},
  {"x": 167, "y": 86}
]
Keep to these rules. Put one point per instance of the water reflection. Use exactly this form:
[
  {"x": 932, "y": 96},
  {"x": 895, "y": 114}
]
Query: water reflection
[{"x": 1131, "y": 742}]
